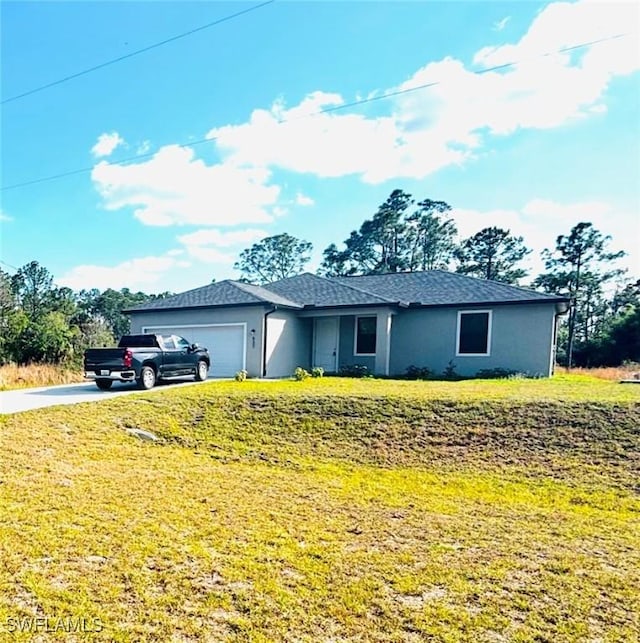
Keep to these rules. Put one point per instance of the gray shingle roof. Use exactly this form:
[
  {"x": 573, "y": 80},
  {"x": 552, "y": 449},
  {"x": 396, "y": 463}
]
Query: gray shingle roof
[
  {"x": 223, "y": 293},
  {"x": 312, "y": 290},
  {"x": 441, "y": 288},
  {"x": 431, "y": 288}
]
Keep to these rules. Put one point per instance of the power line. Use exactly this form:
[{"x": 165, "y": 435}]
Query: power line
[
  {"x": 135, "y": 53},
  {"x": 4, "y": 263},
  {"x": 335, "y": 108},
  {"x": 332, "y": 108}
]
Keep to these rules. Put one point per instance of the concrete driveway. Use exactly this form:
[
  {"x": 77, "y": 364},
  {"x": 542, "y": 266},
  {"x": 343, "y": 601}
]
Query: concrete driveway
[{"x": 27, "y": 399}]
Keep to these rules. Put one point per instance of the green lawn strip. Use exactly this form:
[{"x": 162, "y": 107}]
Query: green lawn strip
[
  {"x": 573, "y": 440},
  {"x": 244, "y": 522}
]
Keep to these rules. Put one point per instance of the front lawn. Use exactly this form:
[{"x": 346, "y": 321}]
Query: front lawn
[{"x": 327, "y": 510}]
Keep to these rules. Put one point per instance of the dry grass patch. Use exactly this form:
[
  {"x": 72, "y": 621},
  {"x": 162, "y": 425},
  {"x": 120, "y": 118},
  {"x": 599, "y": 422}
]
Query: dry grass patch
[
  {"x": 13, "y": 376},
  {"x": 611, "y": 373},
  {"x": 295, "y": 512}
]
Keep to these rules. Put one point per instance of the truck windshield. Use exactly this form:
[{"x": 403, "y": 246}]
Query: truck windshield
[{"x": 138, "y": 341}]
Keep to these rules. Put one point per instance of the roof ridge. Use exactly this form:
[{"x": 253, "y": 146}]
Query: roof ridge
[
  {"x": 248, "y": 287},
  {"x": 243, "y": 285},
  {"x": 360, "y": 290}
]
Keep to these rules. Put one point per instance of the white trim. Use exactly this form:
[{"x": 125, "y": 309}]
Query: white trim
[
  {"x": 553, "y": 344},
  {"x": 178, "y": 325},
  {"x": 489, "y": 333},
  {"x": 388, "y": 339},
  {"x": 355, "y": 335}
]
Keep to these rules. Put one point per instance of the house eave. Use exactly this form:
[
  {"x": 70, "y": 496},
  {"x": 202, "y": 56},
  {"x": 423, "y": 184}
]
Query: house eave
[
  {"x": 472, "y": 304},
  {"x": 381, "y": 304},
  {"x": 263, "y": 304}
]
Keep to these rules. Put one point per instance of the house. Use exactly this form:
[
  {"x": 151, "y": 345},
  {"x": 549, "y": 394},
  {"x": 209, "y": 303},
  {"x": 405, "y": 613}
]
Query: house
[{"x": 384, "y": 322}]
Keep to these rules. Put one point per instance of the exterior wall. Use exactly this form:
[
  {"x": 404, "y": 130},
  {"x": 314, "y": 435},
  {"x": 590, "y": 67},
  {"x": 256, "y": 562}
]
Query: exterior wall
[
  {"x": 253, "y": 316},
  {"x": 288, "y": 343},
  {"x": 521, "y": 340}
]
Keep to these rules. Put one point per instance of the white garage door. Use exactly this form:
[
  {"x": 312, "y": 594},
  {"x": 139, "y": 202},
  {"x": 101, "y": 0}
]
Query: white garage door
[{"x": 226, "y": 344}]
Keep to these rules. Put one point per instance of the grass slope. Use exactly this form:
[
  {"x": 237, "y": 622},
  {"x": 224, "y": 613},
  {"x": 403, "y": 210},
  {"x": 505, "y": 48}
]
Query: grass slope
[{"x": 331, "y": 510}]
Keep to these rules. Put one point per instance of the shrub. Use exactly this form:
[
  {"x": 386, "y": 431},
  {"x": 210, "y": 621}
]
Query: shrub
[
  {"x": 241, "y": 376},
  {"x": 418, "y": 373},
  {"x": 317, "y": 371},
  {"x": 495, "y": 373},
  {"x": 449, "y": 372},
  {"x": 355, "y": 370},
  {"x": 301, "y": 374}
]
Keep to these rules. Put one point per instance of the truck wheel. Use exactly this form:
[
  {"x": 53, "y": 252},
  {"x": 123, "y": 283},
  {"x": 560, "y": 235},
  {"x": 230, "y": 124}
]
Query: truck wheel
[
  {"x": 104, "y": 385},
  {"x": 201, "y": 371},
  {"x": 147, "y": 379}
]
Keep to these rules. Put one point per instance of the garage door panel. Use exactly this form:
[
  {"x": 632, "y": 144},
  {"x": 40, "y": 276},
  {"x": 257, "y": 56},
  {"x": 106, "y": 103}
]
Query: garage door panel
[{"x": 226, "y": 344}]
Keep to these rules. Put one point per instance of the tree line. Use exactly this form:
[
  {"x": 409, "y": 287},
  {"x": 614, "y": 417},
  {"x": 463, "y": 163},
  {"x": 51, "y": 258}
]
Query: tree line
[
  {"x": 406, "y": 235},
  {"x": 40, "y": 322}
]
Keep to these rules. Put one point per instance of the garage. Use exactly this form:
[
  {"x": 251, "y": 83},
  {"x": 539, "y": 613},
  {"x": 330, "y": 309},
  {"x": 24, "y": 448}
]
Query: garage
[{"x": 226, "y": 344}]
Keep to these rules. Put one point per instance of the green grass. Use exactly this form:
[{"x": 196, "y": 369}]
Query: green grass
[{"x": 329, "y": 510}]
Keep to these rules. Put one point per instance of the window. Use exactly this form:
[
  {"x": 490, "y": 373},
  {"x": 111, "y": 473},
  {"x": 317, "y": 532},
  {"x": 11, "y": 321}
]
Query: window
[
  {"x": 474, "y": 332},
  {"x": 365, "y": 336},
  {"x": 181, "y": 343},
  {"x": 167, "y": 342}
]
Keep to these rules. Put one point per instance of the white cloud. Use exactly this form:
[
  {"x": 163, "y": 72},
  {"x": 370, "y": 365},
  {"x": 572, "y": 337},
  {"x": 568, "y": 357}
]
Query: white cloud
[
  {"x": 135, "y": 273},
  {"x": 303, "y": 199},
  {"x": 208, "y": 254},
  {"x": 205, "y": 244},
  {"x": 541, "y": 221},
  {"x": 501, "y": 24},
  {"x": 144, "y": 147},
  {"x": 175, "y": 188},
  {"x": 106, "y": 144},
  {"x": 223, "y": 239},
  {"x": 4, "y": 216},
  {"x": 421, "y": 132},
  {"x": 326, "y": 145},
  {"x": 448, "y": 123}
]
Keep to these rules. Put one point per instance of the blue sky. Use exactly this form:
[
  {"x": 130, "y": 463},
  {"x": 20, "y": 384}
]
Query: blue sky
[{"x": 535, "y": 147}]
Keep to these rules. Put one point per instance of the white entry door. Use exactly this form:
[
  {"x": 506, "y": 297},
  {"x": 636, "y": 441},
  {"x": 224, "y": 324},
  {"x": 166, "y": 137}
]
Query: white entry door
[{"x": 325, "y": 351}]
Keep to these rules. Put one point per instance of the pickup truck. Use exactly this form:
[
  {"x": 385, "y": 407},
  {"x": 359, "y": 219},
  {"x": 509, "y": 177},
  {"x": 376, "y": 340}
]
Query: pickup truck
[{"x": 145, "y": 359}]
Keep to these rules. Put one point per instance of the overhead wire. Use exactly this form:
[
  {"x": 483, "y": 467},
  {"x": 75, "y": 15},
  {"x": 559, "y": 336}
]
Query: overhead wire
[
  {"x": 131, "y": 54},
  {"x": 324, "y": 110}
]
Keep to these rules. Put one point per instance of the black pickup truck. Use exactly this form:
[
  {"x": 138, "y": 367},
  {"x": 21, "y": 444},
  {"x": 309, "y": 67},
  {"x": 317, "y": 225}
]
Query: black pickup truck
[{"x": 145, "y": 359}]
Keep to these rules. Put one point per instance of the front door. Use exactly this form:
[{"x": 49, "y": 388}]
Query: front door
[{"x": 325, "y": 353}]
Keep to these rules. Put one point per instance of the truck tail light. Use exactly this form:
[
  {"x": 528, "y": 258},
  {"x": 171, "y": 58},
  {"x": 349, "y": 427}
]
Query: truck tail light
[{"x": 128, "y": 358}]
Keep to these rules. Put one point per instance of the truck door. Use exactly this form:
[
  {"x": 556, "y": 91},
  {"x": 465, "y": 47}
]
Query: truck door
[
  {"x": 187, "y": 362},
  {"x": 170, "y": 356}
]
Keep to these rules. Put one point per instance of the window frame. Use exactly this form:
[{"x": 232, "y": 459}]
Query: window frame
[
  {"x": 489, "y": 314},
  {"x": 355, "y": 335}
]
